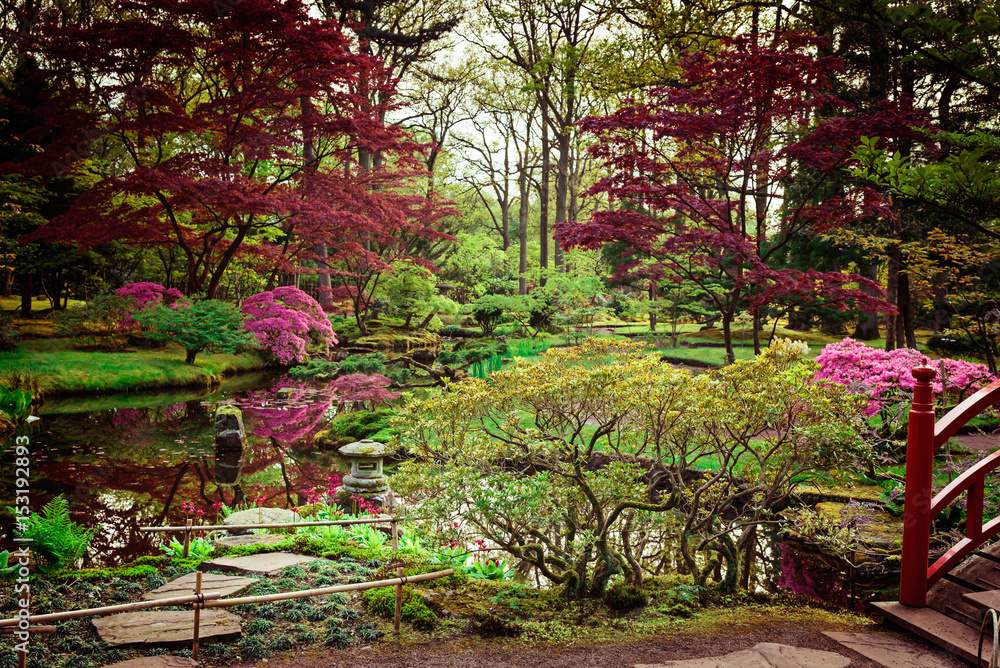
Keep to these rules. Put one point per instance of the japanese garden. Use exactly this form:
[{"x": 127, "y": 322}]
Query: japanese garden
[{"x": 408, "y": 328}]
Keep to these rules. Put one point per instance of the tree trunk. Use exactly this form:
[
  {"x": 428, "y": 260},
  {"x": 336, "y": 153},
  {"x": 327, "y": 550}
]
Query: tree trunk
[
  {"x": 191, "y": 353},
  {"x": 906, "y": 310},
  {"x": 26, "y": 290},
  {"x": 727, "y": 336},
  {"x": 892, "y": 294},
  {"x": 543, "y": 196},
  {"x": 652, "y": 306},
  {"x": 867, "y": 329}
]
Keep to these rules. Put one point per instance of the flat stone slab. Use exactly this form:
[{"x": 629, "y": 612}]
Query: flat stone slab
[
  {"x": 260, "y": 516},
  {"x": 762, "y": 655},
  {"x": 893, "y": 652},
  {"x": 249, "y": 539},
  {"x": 263, "y": 564},
  {"x": 162, "y": 661},
  {"x": 159, "y": 627},
  {"x": 184, "y": 585}
]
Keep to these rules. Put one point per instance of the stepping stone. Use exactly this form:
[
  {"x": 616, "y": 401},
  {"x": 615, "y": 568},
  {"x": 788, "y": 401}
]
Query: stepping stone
[
  {"x": 184, "y": 586},
  {"x": 159, "y": 627},
  {"x": 161, "y": 661},
  {"x": 263, "y": 564},
  {"x": 249, "y": 539},
  {"x": 893, "y": 652},
  {"x": 762, "y": 655},
  {"x": 260, "y": 516}
]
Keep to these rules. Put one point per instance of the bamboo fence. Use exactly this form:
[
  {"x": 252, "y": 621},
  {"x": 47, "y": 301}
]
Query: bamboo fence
[{"x": 213, "y": 599}]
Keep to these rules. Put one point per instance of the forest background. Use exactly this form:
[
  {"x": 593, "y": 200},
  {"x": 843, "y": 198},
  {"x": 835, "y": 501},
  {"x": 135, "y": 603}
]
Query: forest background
[{"x": 352, "y": 148}]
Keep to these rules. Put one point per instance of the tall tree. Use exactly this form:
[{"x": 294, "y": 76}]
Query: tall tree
[{"x": 688, "y": 165}]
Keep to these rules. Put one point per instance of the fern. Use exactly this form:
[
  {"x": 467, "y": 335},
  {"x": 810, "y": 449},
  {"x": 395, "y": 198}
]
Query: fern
[
  {"x": 56, "y": 541},
  {"x": 7, "y": 571}
]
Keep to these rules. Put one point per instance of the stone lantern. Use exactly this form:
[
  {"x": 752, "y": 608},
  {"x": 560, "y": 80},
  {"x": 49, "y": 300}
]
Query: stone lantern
[{"x": 366, "y": 478}]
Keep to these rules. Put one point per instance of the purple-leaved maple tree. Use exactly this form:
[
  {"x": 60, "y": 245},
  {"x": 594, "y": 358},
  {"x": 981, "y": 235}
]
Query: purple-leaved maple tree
[
  {"x": 701, "y": 175},
  {"x": 227, "y": 131}
]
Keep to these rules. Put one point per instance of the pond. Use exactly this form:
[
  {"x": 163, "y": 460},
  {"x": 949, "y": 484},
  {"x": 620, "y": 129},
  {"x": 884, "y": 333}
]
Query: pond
[{"x": 131, "y": 460}]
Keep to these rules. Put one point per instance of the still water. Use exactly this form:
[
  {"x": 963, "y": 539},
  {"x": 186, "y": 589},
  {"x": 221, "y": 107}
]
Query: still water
[{"x": 131, "y": 460}]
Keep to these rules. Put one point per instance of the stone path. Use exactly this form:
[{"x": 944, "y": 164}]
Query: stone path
[
  {"x": 762, "y": 655},
  {"x": 184, "y": 585},
  {"x": 161, "y": 661},
  {"x": 890, "y": 651},
  {"x": 264, "y": 564},
  {"x": 160, "y": 627}
]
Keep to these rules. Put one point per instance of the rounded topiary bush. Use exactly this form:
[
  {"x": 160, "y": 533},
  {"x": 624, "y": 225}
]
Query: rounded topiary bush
[
  {"x": 623, "y": 597},
  {"x": 417, "y": 613}
]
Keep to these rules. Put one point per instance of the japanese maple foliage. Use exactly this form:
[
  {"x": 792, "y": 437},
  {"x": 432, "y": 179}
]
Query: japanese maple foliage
[
  {"x": 224, "y": 131},
  {"x": 287, "y": 323},
  {"x": 701, "y": 174}
]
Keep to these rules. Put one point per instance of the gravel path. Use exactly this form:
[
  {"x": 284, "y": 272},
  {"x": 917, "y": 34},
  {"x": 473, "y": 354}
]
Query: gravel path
[{"x": 475, "y": 653}]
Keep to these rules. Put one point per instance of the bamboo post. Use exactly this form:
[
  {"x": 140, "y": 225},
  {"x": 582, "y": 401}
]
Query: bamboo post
[
  {"x": 187, "y": 537},
  {"x": 395, "y": 534},
  {"x": 197, "y": 616},
  {"x": 399, "y": 602},
  {"x": 22, "y": 658}
]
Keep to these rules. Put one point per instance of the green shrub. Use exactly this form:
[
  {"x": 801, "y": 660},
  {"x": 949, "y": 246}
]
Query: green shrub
[
  {"x": 98, "y": 324},
  {"x": 56, "y": 541},
  {"x": 487, "y": 315},
  {"x": 337, "y": 638},
  {"x": 253, "y": 648},
  {"x": 356, "y": 425},
  {"x": 417, "y": 613},
  {"x": 15, "y": 404},
  {"x": 207, "y": 325},
  {"x": 624, "y": 597},
  {"x": 381, "y": 601}
]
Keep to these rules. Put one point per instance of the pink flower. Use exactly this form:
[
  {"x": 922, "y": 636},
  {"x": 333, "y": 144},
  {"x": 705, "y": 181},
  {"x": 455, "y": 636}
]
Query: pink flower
[{"x": 287, "y": 322}]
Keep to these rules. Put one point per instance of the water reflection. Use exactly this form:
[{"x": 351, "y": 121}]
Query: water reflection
[{"x": 134, "y": 465}]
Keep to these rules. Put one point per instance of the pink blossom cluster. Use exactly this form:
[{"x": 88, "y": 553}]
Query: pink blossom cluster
[
  {"x": 145, "y": 296},
  {"x": 190, "y": 508},
  {"x": 286, "y": 322},
  {"x": 881, "y": 374},
  {"x": 317, "y": 495},
  {"x": 364, "y": 506}
]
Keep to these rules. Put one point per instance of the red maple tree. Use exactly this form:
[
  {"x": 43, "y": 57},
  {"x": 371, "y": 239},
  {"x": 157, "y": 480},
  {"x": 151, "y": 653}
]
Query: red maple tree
[
  {"x": 226, "y": 130},
  {"x": 713, "y": 176}
]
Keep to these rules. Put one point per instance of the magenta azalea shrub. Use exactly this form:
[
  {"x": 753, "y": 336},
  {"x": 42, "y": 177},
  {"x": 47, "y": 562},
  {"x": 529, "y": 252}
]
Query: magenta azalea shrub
[
  {"x": 882, "y": 374},
  {"x": 288, "y": 323},
  {"x": 145, "y": 296}
]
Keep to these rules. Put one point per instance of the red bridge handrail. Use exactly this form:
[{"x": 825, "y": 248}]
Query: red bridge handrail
[{"x": 924, "y": 438}]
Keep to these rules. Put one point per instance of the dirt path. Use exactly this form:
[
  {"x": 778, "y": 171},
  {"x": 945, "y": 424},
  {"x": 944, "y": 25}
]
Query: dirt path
[{"x": 476, "y": 653}]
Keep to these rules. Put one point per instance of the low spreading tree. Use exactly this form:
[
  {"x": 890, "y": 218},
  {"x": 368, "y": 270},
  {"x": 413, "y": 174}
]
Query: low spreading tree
[
  {"x": 199, "y": 326},
  {"x": 600, "y": 461}
]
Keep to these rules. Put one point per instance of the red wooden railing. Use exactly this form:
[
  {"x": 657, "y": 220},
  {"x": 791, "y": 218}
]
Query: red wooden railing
[{"x": 923, "y": 439}]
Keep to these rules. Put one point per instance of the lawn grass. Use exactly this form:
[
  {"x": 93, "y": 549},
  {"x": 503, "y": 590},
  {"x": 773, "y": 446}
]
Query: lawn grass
[{"x": 58, "y": 368}]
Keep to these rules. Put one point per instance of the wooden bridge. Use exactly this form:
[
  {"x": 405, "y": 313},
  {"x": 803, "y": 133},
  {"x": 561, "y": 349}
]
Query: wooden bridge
[{"x": 945, "y": 601}]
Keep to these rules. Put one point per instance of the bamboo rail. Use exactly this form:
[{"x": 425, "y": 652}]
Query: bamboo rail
[
  {"x": 189, "y": 528},
  {"x": 111, "y": 609},
  {"x": 305, "y": 593}
]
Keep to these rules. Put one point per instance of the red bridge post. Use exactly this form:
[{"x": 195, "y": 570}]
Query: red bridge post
[{"x": 917, "y": 500}]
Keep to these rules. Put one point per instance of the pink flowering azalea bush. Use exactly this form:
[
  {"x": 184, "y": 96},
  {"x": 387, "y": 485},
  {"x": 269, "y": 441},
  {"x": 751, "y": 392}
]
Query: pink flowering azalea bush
[
  {"x": 884, "y": 375},
  {"x": 145, "y": 296},
  {"x": 288, "y": 323}
]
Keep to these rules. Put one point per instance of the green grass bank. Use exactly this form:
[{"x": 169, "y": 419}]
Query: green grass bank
[{"x": 58, "y": 368}]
